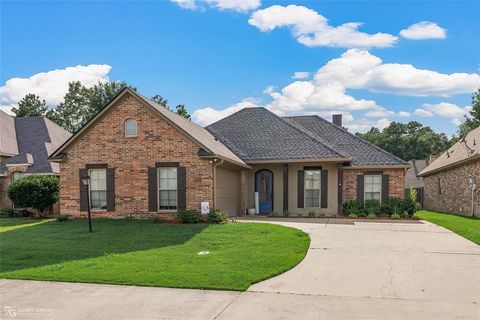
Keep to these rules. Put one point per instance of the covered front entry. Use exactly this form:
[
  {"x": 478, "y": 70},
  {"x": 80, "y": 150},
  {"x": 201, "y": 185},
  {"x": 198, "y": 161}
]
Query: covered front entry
[{"x": 264, "y": 187}]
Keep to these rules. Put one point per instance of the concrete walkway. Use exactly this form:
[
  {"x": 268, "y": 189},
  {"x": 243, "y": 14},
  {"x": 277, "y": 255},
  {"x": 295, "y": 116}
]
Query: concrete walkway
[{"x": 362, "y": 271}]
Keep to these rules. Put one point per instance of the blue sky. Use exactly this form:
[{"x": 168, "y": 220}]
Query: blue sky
[{"x": 217, "y": 56}]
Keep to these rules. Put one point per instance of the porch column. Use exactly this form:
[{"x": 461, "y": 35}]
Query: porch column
[
  {"x": 340, "y": 189},
  {"x": 243, "y": 193},
  {"x": 285, "y": 187}
]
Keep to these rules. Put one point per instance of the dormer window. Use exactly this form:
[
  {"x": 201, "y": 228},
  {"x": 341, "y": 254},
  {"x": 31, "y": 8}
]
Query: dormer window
[{"x": 131, "y": 129}]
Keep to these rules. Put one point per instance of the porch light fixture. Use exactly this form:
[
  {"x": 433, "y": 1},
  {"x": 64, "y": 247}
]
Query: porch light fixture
[{"x": 86, "y": 183}]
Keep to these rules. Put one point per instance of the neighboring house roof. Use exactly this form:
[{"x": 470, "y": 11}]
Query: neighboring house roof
[
  {"x": 211, "y": 146},
  {"x": 363, "y": 153},
  {"x": 465, "y": 150},
  {"x": 8, "y": 138},
  {"x": 412, "y": 180},
  {"x": 256, "y": 134},
  {"x": 35, "y": 138}
]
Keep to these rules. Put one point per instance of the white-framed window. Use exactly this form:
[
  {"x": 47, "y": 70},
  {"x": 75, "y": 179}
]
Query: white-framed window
[
  {"x": 373, "y": 187},
  {"x": 131, "y": 129},
  {"x": 98, "y": 189},
  {"x": 312, "y": 188},
  {"x": 167, "y": 188}
]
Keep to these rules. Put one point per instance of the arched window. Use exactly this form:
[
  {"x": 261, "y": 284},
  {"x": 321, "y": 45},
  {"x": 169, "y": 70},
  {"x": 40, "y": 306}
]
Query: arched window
[{"x": 131, "y": 129}]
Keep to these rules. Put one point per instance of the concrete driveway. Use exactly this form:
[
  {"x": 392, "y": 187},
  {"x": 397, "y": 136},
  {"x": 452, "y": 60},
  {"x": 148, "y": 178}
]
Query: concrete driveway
[{"x": 364, "y": 270}]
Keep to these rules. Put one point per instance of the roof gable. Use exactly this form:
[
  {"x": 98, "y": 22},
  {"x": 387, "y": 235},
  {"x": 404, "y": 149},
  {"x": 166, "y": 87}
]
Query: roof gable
[
  {"x": 467, "y": 149},
  {"x": 200, "y": 136},
  {"x": 256, "y": 134},
  {"x": 8, "y": 136}
]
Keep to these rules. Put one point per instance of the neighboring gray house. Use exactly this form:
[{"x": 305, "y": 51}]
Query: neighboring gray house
[
  {"x": 412, "y": 180},
  {"x": 25, "y": 144}
]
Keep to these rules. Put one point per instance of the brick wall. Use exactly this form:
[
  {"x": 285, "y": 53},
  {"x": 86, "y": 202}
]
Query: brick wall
[
  {"x": 157, "y": 141},
  {"x": 455, "y": 194},
  {"x": 396, "y": 182}
]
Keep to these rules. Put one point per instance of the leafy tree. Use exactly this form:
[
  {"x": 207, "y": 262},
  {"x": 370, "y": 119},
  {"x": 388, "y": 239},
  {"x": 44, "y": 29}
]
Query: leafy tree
[
  {"x": 161, "y": 101},
  {"x": 182, "y": 110},
  {"x": 101, "y": 93},
  {"x": 30, "y": 106},
  {"x": 472, "y": 121},
  {"x": 80, "y": 103},
  {"x": 35, "y": 191},
  {"x": 74, "y": 111},
  {"x": 408, "y": 141}
]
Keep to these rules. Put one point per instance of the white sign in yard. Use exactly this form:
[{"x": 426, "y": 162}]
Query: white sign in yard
[{"x": 205, "y": 207}]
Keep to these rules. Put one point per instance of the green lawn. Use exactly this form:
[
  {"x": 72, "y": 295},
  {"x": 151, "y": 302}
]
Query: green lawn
[
  {"x": 466, "y": 227},
  {"x": 142, "y": 253}
]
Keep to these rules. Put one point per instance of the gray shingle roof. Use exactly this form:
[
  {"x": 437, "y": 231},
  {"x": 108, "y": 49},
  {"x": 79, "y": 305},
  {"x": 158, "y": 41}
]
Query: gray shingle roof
[
  {"x": 36, "y": 138},
  {"x": 8, "y": 138},
  {"x": 256, "y": 134},
  {"x": 412, "y": 180},
  {"x": 363, "y": 153}
]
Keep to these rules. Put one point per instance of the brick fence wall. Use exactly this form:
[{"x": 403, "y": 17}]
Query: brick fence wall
[{"x": 157, "y": 141}]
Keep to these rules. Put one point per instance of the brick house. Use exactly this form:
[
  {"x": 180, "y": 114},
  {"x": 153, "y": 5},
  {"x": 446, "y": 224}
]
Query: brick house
[
  {"x": 25, "y": 144},
  {"x": 144, "y": 159},
  {"x": 452, "y": 181}
]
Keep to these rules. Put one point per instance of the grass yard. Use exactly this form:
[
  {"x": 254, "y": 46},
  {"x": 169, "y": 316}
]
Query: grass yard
[
  {"x": 142, "y": 253},
  {"x": 466, "y": 227}
]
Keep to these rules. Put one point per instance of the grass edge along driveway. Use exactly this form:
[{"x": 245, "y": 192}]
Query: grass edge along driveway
[
  {"x": 468, "y": 228},
  {"x": 141, "y": 253}
]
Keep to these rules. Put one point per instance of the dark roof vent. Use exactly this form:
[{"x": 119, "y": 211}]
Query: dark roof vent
[{"x": 337, "y": 119}]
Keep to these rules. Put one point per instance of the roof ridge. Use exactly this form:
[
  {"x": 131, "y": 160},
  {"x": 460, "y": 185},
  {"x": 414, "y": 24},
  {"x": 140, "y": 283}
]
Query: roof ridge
[
  {"x": 358, "y": 138},
  {"x": 310, "y": 135}
]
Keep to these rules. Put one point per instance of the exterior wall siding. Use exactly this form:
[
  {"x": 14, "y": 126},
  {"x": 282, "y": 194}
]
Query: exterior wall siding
[
  {"x": 157, "y": 141},
  {"x": 227, "y": 190},
  {"x": 455, "y": 195},
  {"x": 396, "y": 182}
]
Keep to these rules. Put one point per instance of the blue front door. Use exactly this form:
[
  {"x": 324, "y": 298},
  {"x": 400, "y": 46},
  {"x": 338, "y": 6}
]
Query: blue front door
[{"x": 264, "y": 187}]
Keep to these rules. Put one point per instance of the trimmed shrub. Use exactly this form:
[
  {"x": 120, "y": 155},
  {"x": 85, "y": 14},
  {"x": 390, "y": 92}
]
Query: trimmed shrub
[
  {"x": 353, "y": 207},
  {"x": 410, "y": 204},
  {"x": 36, "y": 191},
  {"x": 372, "y": 207},
  {"x": 188, "y": 216},
  {"x": 395, "y": 216},
  {"x": 372, "y": 216},
  {"x": 158, "y": 220},
  {"x": 6, "y": 212},
  {"x": 216, "y": 216},
  {"x": 352, "y": 215},
  {"x": 63, "y": 218}
]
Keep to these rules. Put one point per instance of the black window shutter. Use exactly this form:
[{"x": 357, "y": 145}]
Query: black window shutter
[
  {"x": 324, "y": 189},
  {"x": 110, "y": 189},
  {"x": 83, "y": 190},
  {"x": 385, "y": 187},
  {"x": 300, "y": 187},
  {"x": 181, "y": 188},
  {"x": 152, "y": 190},
  {"x": 360, "y": 188}
]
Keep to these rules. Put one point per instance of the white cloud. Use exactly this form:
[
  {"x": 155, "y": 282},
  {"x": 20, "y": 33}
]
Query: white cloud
[
  {"x": 404, "y": 114},
  {"x": 364, "y": 125},
  {"x": 301, "y": 75},
  {"x": 444, "y": 109},
  {"x": 51, "y": 86},
  {"x": 209, "y": 115},
  {"x": 269, "y": 89},
  {"x": 312, "y": 29},
  {"x": 424, "y": 30},
  {"x": 359, "y": 69},
  {"x": 423, "y": 113},
  {"x": 235, "y": 5}
]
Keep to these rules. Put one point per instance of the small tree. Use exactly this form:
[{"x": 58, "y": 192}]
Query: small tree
[{"x": 36, "y": 191}]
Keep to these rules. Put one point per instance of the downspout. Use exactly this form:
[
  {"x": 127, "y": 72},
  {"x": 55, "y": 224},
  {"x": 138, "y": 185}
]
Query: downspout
[{"x": 215, "y": 162}]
